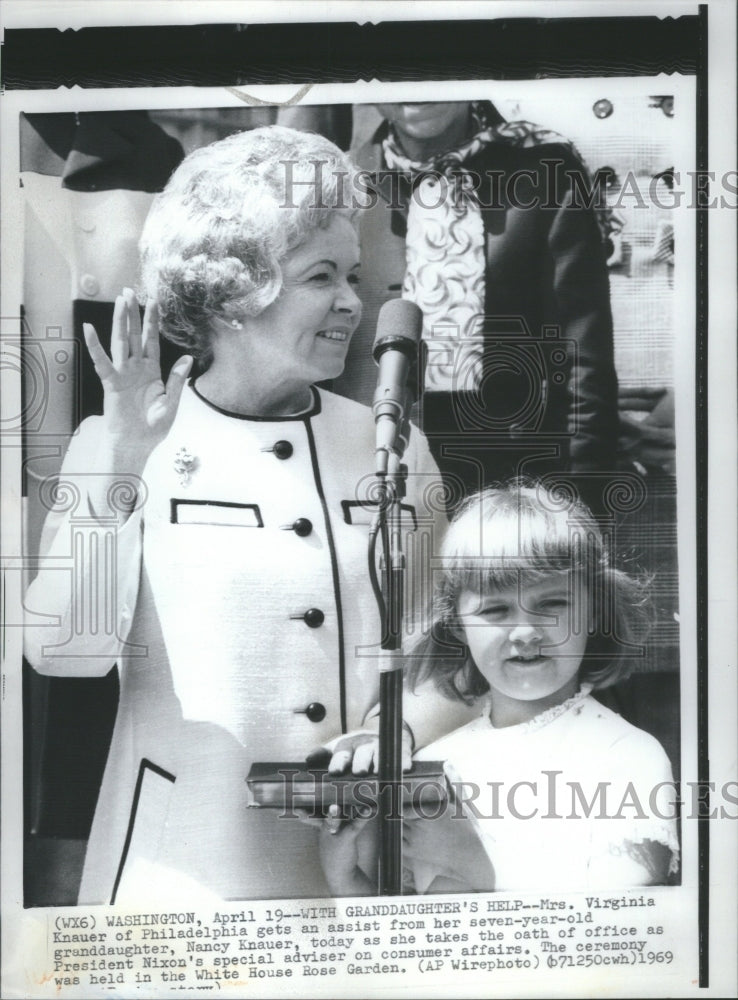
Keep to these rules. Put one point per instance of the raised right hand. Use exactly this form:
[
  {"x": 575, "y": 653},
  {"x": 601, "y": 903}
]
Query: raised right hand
[{"x": 138, "y": 408}]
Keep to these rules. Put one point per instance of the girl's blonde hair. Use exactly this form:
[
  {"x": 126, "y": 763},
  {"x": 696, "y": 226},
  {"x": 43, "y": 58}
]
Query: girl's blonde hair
[{"x": 517, "y": 534}]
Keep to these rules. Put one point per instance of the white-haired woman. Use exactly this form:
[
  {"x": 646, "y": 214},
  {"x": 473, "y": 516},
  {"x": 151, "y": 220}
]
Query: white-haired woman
[{"x": 227, "y": 577}]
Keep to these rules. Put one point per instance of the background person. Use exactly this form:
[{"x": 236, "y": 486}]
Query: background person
[{"x": 477, "y": 221}]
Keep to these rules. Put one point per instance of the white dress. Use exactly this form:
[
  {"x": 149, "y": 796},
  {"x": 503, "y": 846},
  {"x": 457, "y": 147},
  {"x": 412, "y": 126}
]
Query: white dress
[
  {"x": 226, "y": 625},
  {"x": 554, "y": 798}
]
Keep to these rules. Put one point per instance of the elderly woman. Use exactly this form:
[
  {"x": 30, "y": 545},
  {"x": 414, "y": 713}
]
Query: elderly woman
[{"x": 220, "y": 526}]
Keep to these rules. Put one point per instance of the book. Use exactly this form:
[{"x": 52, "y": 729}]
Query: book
[{"x": 284, "y": 785}]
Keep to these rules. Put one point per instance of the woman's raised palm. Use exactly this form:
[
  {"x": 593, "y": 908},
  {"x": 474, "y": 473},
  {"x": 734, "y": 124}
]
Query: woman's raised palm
[{"x": 138, "y": 407}]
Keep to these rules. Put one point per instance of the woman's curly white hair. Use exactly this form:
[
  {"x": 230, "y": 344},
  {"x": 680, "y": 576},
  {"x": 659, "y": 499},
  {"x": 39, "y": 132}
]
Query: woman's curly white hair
[{"x": 213, "y": 241}]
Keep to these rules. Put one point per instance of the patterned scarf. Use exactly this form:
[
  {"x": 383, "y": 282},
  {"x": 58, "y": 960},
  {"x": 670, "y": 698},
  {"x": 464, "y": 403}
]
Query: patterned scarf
[{"x": 445, "y": 245}]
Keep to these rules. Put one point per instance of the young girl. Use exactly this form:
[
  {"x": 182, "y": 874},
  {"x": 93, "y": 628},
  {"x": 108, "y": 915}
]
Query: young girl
[{"x": 548, "y": 788}]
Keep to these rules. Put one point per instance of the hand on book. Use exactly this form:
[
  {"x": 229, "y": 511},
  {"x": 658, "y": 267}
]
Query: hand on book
[{"x": 358, "y": 752}]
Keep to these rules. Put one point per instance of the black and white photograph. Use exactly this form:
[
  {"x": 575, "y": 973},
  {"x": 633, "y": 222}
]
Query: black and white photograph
[{"x": 369, "y": 584}]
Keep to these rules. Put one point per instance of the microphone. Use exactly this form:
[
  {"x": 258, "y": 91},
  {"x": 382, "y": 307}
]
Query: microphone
[{"x": 395, "y": 350}]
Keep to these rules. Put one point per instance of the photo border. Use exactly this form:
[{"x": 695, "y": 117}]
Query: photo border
[{"x": 704, "y": 695}]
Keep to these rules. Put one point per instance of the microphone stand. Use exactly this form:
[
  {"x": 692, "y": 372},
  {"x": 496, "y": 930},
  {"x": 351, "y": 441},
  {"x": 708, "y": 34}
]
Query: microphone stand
[
  {"x": 390, "y": 683},
  {"x": 389, "y": 524},
  {"x": 400, "y": 323}
]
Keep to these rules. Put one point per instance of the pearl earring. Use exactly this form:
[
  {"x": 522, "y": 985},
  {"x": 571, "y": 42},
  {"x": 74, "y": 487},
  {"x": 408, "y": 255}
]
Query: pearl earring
[{"x": 236, "y": 324}]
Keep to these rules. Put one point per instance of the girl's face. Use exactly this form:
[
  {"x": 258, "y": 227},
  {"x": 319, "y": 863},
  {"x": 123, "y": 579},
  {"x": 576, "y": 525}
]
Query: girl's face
[{"x": 528, "y": 640}]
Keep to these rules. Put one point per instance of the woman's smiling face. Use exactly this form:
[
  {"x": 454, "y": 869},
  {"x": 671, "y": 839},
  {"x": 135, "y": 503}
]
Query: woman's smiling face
[
  {"x": 528, "y": 640},
  {"x": 303, "y": 336}
]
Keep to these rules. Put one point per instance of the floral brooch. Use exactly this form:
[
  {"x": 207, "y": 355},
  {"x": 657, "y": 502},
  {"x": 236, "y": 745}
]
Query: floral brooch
[{"x": 184, "y": 466}]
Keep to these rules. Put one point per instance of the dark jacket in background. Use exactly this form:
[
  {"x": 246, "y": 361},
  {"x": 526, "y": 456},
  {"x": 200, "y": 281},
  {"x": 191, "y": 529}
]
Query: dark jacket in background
[{"x": 549, "y": 386}]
